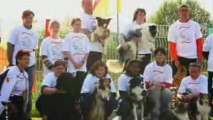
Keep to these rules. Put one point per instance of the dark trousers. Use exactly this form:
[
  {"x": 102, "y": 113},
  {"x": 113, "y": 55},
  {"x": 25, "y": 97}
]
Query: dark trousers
[
  {"x": 80, "y": 76},
  {"x": 184, "y": 62},
  {"x": 145, "y": 61},
  {"x": 16, "y": 111},
  {"x": 210, "y": 90},
  {"x": 92, "y": 58},
  {"x": 31, "y": 73},
  {"x": 57, "y": 107}
]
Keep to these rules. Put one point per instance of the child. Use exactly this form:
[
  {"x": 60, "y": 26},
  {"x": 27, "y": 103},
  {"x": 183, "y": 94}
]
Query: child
[
  {"x": 76, "y": 49},
  {"x": 51, "y": 48}
]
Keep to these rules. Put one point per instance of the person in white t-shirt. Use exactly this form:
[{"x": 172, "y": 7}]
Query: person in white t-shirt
[
  {"x": 89, "y": 25},
  {"x": 24, "y": 38},
  {"x": 158, "y": 78},
  {"x": 139, "y": 19},
  {"x": 76, "y": 49},
  {"x": 47, "y": 102},
  {"x": 132, "y": 71},
  {"x": 208, "y": 54},
  {"x": 185, "y": 40},
  {"x": 51, "y": 48},
  {"x": 98, "y": 71},
  {"x": 193, "y": 86},
  {"x": 15, "y": 88}
]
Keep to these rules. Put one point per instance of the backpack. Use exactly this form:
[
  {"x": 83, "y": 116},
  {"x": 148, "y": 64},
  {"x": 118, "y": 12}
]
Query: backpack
[{"x": 2, "y": 77}]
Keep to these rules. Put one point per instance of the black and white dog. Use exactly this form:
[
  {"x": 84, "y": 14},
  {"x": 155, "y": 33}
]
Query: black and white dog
[
  {"x": 128, "y": 48},
  {"x": 137, "y": 89},
  {"x": 102, "y": 94}
]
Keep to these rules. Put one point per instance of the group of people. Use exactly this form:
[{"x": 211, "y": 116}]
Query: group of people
[{"x": 77, "y": 57}]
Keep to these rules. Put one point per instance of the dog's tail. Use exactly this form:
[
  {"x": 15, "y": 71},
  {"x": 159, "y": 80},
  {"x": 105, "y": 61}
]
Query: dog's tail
[{"x": 115, "y": 66}]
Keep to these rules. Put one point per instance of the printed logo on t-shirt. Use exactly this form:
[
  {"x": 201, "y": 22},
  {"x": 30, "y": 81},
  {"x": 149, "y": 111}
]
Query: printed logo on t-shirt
[
  {"x": 56, "y": 49},
  {"x": 78, "y": 45},
  {"x": 93, "y": 24},
  {"x": 185, "y": 34},
  {"x": 26, "y": 40}
]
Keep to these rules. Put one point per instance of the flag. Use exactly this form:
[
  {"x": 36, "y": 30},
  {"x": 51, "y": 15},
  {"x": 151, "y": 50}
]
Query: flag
[
  {"x": 118, "y": 6},
  {"x": 101, "y": 8}
]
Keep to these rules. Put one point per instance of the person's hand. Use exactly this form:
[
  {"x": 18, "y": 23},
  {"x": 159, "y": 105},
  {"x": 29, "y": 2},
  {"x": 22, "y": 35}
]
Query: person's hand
[
  {"x": 177, "y": 63},
  {"x": 158, "y": 86},
  {"x": 189, "y": 96}
]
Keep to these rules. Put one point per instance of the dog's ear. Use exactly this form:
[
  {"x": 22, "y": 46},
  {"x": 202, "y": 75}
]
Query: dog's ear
[
  {"x": 99, "y": 21},
  {"x": 106, "y": 22},
  {"x": 153, "y": 30}
]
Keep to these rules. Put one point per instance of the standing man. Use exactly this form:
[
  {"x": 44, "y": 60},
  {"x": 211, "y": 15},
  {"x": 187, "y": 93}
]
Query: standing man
[
  {"x": 185, "y": 40},
  {"x": 89, "y": 25},
  {"x": 208, "y": 54},
  {"x": 24, "y": 38}
]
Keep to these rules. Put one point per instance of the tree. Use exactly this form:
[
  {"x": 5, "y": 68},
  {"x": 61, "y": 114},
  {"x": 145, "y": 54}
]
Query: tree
[{"x": 167, "y": 13}]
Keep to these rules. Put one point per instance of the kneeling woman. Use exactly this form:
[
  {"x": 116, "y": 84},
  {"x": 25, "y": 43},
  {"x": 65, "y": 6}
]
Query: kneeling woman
[
  {"x": 54, "y": 104},
  {"x": 158, "y": 78},
  {"x": 96, "y": 77},
  {"x": 15, "y": 88}
]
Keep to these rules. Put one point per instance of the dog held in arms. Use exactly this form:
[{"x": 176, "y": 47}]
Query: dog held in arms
[
  {"x": 102, "y": 94},
  {"x": 128, "y": 47},
  {"x": 101, "y": 33}
]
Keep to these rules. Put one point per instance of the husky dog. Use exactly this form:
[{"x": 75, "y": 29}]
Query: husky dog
[
  {"x": 128, "y": 46},
  {"x": 203, "y": 107},
  {"x": 101, "y": 95}
]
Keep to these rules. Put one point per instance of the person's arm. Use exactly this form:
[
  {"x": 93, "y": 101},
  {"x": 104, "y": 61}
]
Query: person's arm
[
  {"x": 172, "y": 45},
  {"x": 6, "y": 90},
  {"x": 10, "y": 51},
  {"x": 169, "y": 79},
  {"x": 147, "y": 76},
  {"x": 47, "y": 90},
  {"x": 47, "y": 62},
  {"x": 199, "y": 43}
]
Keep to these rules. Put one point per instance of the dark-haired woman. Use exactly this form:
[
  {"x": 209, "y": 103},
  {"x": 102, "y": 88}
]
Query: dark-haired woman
[
  {"x": 98, "y": 71},
  {"x": 138, "y": 21},
  {"x": 15, "y": 88}
]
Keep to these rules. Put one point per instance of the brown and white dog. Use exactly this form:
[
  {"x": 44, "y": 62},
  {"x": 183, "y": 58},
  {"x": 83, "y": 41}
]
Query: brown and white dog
[
  {"x": 181, "y": 108},
  {"x": 203, "y": 107},
  {"x": 102, "y": 94},
  {"x": 127, "y": 48}
]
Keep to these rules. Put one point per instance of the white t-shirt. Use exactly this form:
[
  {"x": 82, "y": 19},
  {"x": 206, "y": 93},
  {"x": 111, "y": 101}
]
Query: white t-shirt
[
  {"x": 77, "y": 44},
  {"x": 15, "y": 83},
  {"x": 208, "y": 47},
  {"x": 50, "y": 80},
  {"x": 123, "y": 82},
  {"x": 24, "y": 39},
  {"x": 199, "y": 85},
  {"x": 52, "y": 48},
  {"x": 91, "y": 81},
  {"x": 89, "y": 22},
  {"x": 155, "y": 73},
  {"x": 131, "y": 27},
  {"x": 185, "y": 36}
]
